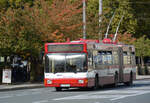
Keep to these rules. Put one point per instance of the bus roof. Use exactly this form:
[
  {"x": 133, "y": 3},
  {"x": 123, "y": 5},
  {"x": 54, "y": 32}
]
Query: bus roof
[{"x": 93, "y": 44}]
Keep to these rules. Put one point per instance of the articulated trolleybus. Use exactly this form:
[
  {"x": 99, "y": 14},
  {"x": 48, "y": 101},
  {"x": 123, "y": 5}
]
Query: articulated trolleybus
[{"x": 88, "y": 64}]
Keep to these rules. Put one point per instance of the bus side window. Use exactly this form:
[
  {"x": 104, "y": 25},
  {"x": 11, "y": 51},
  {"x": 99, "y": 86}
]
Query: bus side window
[
  {"x": 129, "y": 57},
  {"x": 133, "y": 58},
  {"x": 105, "y": 57},
  {"x": 115, "y": 58},
  {"x": 100, "y": 59},
  {"x": 125, "y": 58},
  {"x": 109, "y": 57}
]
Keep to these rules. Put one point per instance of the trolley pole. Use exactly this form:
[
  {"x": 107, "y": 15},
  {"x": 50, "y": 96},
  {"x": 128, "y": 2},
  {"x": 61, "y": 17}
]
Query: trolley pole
[
  {"x": 84, "y": 19},
  {"x": 100, "y": 18}
]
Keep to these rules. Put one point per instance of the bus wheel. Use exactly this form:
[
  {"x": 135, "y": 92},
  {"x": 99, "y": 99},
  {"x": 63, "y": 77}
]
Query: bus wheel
[
  {"x": 130, "y": 82},
  {"x": 115, "y": 80},
  {"x": 58, "y": 88},
  {"x": 96, "y": 83}
]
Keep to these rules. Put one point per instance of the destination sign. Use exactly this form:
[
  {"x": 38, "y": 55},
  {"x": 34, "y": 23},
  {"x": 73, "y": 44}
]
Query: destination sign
[{"x": 65, "y": 47}]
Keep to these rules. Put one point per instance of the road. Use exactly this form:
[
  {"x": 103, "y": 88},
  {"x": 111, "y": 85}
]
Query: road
[{"x": 138, "y": 93}]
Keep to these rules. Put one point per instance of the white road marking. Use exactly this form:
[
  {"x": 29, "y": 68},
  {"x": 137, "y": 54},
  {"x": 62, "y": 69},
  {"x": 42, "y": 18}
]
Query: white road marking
[
  {"x": 82, "y": 96},
  {"x": 86, "y": 97},
  {"x": 42, "y": 101},
  {"x": 121, "y": 97},
  {"x": 6, "y": 96},
  {"x": 109, "y": 94},
  {"x": 21, "y": 94},
  {"x": 36, "y": 92},
  {"x": 97, "y": 102},
  {"x": 125, "y": 91}
]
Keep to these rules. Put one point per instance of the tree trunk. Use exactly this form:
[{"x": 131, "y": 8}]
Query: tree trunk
[
  {"x": 139, "y": 61},
  {"x": 142, "y": 66},
  {"x": 37, "y": 70},
  {"x": 33, "y": 69},
  {"x": 142, "y": 61}
]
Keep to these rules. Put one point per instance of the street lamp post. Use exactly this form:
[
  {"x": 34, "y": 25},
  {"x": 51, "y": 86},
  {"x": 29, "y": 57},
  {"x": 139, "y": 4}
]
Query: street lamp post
[
  {"x": 100, "y": 18},
  {"x": 84, "y": 19}
]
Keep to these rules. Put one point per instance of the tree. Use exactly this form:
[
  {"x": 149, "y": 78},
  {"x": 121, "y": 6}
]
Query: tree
[
  {"x": 17, "y": 34},
  {"x": 19, "y": 3},
  {"x": 57, "y": 21},
  {"x": 122, "y": 8},
  {"x": 3, "y": 4},
  {"x": 126, "y": 38},
  {"x": 24, "y": 31},
  {"x": 141, "y": 14},
  {"x": 93, "y": 20},
  {"x": 119, "y": 7},
  {"x": 142, "y": 48}
]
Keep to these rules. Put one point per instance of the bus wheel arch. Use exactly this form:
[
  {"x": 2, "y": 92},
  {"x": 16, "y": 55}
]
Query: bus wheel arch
[
  {"x": 58, "y": 88},
  {"x": 130, "y": 82}
]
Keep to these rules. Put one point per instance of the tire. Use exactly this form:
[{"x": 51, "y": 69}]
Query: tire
[
  {"x": 58, "y": 88},
  {"x": 115, "y": 80},
  {"x": 96, "y": 86},
  {"x": 130, "y": 82}
]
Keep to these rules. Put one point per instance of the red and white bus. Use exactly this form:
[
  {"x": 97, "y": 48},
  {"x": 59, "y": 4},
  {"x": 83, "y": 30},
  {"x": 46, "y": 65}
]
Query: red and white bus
[{"x": 88, "y": 63}]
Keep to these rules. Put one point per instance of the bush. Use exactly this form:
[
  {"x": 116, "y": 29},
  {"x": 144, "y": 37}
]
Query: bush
[
  {"x": 147, "y": 70},
  {"x": 141, "y": 70}
]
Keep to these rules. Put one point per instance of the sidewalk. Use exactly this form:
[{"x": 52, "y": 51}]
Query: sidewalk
[
  {"x": 7, "y": 87},
  {"x": 140, "y": 77}
]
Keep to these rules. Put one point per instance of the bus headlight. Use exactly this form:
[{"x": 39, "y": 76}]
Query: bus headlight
[
  {"x": 49, "y": 81},
  {"x": 81, "y": 81}
]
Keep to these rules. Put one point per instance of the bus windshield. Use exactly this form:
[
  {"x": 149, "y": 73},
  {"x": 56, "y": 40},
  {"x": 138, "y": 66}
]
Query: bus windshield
[{"x": 65, "y": 62}]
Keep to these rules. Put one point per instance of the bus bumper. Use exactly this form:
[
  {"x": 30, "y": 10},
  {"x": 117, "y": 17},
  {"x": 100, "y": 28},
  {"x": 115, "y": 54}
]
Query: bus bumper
[{"x": 80, "y": 82}]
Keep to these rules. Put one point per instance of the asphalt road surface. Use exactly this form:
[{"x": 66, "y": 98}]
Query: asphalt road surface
[{"x": 138, "y": 93}]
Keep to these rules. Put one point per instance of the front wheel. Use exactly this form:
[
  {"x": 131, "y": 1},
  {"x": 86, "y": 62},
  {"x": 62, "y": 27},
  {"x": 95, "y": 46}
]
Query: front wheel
[
  {"x": 96, "y": 83},
  {"x": 130, "y": 82},
  {"x": 58, "y": 88},
  {"x": 115, "y": 80}
]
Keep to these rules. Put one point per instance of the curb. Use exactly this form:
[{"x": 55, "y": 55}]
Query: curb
[
  {"x": 33, "y": 86},
  {"x": 142, "y": 77},
  {"x": 21, "y": 87}
]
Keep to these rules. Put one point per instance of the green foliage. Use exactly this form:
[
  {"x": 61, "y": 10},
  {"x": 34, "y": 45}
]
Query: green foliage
[
  {"x": 18, "y": 35},
  {"x": 141, "y": 12},
  {"x": 142, "y": 46},
  {"x": 24, "y": 31},
  {"x": 3, "y": 4},
  {"x": 25, "y": 25},
  {"x": 19, "y": 3},
  {"x": 128, "y": 25},
  {"x": 93, "y": 20},
  {"x": 26, "y": 22},
  {"x": 121, "y": 8}
]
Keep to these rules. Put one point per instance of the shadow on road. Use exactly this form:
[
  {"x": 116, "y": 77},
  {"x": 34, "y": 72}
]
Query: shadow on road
[{"x": 106, "y": 87}]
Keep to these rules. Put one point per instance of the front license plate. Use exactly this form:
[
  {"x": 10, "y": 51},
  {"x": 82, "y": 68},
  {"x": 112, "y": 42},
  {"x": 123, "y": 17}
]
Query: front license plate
[{"x": 65, "y": 85}]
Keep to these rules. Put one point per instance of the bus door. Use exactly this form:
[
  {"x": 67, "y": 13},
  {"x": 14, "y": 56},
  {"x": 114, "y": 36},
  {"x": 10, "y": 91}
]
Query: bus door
[{"x": 120, "y": 64}]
